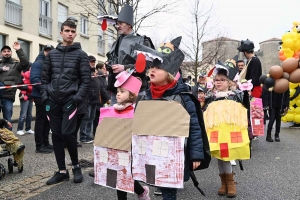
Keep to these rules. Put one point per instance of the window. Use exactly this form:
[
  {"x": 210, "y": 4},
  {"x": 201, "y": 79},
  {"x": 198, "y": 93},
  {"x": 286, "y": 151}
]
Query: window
[
  {"x": 84, "y": 25},
  {"x": 110, "y": 38},
  {"x": 45, "y": 22},
  {"x": 103, "y": 156},
  {"x": 25, "y": 46},
  {"x": 236, "y": 137},
  {"x": 61, "y": 17},
  {"x": 2, "y": 40},
  {"x": 214, "y": 137},
  {"x": 13, "y": 12},
  {"x": 41, "y": 47},
  {"x": 160, "y": 148},
  {"x": 101, "y": 42},
  {"x": 123, "y": 159},
  {"x": 142, "y": 146}
]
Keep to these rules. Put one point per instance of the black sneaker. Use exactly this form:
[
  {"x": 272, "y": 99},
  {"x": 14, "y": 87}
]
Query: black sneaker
[
  {"x": 77, "y": 174},
  {"x": 49, "y": 146},
  {"x": 157, "y": 191},
  {"x": 43, "y": 149},
  {"x": 58, "y": 177}
]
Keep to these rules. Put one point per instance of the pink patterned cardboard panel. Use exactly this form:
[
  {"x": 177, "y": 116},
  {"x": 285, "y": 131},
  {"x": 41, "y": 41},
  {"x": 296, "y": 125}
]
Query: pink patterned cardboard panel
[
  {"x": 113, "y": 168},
  {"x": 158, "y": 160}
]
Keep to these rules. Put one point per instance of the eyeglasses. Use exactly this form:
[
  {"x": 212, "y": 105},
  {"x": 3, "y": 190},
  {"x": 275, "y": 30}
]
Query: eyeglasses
[{"x": 222, "y": 80}]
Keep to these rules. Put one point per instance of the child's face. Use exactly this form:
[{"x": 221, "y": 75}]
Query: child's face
[
  {"x": 201, "y": 95},
  {"x": 158, "y": 76},
  {"x": 221, "y": 83},
  {"x": 122, "y": 95}
]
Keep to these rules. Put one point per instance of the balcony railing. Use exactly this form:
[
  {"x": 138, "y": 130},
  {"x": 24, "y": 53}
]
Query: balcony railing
[
  {"x": 45, "y": 25},
  {"x": 58, "y": 29},
  {"x": 101, "y": 46},
  {"x": 13, "y": 13}
]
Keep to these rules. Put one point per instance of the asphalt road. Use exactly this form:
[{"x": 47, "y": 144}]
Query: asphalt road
[{"x": 272, "y": 173}]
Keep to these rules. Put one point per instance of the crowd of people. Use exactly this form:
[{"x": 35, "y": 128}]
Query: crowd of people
[{"x": 69, "y": 88}]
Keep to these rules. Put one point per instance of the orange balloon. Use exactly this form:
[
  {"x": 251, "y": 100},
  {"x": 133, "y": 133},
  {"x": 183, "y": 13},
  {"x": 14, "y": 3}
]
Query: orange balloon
[
  {"x": 281, "y": 53},
  {"x": 295, "y": 76},
  {"x": 290, "y": 65},
  {"x": 282, "y": 57},
  {"x": 281, "y": 85},
  {"x": 276, "y": 72}
]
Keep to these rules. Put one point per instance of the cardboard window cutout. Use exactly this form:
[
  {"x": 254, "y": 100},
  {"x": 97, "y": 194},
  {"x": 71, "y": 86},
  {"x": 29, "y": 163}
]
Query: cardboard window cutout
[
  {"x": 142, "y": 146},
  {"x": 160, "y": 148},
  {"x": 123, "y": 159},
  {"x": 236, "y": 137},
  {"x": 214, "y": 137},
  {"x": 103, "y": 156}
]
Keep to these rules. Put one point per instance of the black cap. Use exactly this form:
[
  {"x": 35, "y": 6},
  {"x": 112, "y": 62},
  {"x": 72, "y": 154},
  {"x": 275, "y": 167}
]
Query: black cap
[
  {"x": 92, "y": 58},
  {"x": 5, "y": 47},
  {"x": 48, "y": 46},
  {"x": 246, "y": 45}
]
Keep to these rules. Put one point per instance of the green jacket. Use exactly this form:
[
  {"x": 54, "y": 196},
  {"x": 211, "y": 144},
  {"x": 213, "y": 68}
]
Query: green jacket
[{"x": 13, "y": 74}]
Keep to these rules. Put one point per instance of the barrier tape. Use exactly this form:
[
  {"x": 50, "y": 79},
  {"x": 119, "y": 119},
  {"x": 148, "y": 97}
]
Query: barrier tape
[{"x": 21, "y": 85}]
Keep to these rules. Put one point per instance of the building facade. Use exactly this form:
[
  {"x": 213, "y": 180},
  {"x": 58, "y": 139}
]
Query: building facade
[{"x": 35, "y": 23}]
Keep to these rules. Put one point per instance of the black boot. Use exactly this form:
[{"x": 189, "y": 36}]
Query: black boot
[
  {"x": 277, "y": 139},
  {"x": 269, "y": 138}
]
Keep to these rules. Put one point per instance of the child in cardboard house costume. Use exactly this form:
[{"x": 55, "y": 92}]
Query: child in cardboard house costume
[
  {"x": 226, "y": 125},
  {"x": 109, "y": 132},
  {"x": 165, "y": 92}
]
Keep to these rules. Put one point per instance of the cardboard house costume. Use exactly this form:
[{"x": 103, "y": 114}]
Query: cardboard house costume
[
  {"x": 226, "y": 121},
  {"x": 158, "y": 143},
  {"x": 112, "y": 145}
]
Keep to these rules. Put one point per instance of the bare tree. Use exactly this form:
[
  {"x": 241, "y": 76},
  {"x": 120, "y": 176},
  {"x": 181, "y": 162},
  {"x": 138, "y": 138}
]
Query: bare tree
[
  {"x": 203, "y": 27},
  {"x": 143, "y": 9}
]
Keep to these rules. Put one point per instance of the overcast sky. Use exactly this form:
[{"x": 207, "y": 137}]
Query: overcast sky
[{"x": 257, "y": 20}]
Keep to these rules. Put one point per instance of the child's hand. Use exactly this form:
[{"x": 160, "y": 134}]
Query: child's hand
[{"x": 196, "y": 164}]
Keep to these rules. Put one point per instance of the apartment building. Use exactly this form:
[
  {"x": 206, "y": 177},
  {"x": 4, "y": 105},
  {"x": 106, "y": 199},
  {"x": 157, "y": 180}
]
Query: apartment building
[{"x": 35, "y": 23}]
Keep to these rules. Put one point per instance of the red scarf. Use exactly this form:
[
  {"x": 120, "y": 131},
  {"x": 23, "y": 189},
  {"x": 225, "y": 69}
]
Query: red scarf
[{"x": 158, "y": 91}]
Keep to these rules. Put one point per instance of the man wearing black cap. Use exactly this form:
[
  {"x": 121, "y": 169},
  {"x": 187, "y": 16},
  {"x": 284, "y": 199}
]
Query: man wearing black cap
[
  {"x": 41, "y": 127},
  {"x": 86, "y": 127},
  {"x": 121, "y": 47},
  {"x": 10, "y": 71}
]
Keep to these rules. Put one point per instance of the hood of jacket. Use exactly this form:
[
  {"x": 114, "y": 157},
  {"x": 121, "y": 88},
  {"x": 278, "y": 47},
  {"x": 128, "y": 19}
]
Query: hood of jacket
[{"x": 76, "y": 45}]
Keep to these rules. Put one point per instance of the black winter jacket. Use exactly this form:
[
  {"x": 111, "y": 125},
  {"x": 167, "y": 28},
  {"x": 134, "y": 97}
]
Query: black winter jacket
[
  {"x": 11, "y": 76},
  {"x": 66, "y": 74},
  {"x": 94, "y": 91},
  {"x": 275, "y": 100},
  {"x": 35, "y": 74}
]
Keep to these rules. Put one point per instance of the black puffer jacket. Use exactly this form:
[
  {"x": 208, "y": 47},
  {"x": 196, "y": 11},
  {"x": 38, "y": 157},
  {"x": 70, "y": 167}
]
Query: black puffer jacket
[
  {"x": 66, "y": 74},
  {"x": 13, "y": 74}
]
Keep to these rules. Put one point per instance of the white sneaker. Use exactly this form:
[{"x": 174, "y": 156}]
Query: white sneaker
[
  {"x": 20, "y": 132},
  {"x": 30, "y": 131},
  {"x": 233, "y": 163}
]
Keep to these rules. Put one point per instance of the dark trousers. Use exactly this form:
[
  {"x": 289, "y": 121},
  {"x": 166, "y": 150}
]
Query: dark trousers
[
  {"x": 138, "y": 189},
  {"x": 95, "y": 122},
  {"x": 63, "y": 124},
  {"x": 274, "y": 116},
  {"x": 41, "y": 127},
  {"x": 169, "y": 193}
]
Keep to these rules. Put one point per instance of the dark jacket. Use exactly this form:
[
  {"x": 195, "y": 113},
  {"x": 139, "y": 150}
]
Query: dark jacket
[
  {"x": 11, "y": 76},
  {"x": 276, "y": 100},
  {"x": 194, "y": 143},
  {"x": 35, "y": 74},
  {"x": 104, "y": 94},
  {"x": 94, "y": 91},
  {"x": 254, "y": 71},
  {"x": 66, "y": 74}
]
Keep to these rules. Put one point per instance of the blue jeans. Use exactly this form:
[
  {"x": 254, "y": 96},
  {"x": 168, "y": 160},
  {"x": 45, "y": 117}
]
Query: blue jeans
[
  {"x": 25, "y": 113},
  {"x": 86, "y": 128},
  {"x": 7, "y": 109}
]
